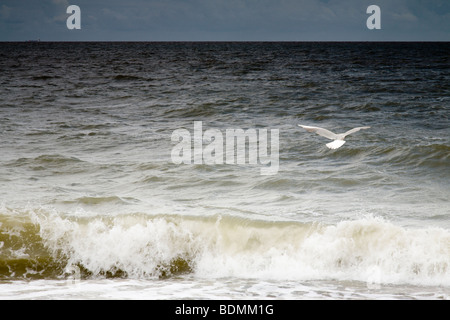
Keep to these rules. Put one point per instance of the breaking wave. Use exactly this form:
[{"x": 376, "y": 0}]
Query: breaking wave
[{"x": 39, "y": 244}]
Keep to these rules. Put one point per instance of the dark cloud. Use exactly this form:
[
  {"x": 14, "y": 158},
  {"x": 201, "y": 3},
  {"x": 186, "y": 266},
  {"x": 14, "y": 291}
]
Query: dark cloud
[{"x": 147, "y": 20}]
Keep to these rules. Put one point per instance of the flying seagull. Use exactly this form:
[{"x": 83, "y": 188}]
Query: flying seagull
[{"x": 338, "y": 138}]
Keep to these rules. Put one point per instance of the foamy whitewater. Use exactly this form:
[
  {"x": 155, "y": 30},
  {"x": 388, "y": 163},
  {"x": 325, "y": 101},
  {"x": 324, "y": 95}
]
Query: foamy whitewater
[{"x": 92, "y": 205}]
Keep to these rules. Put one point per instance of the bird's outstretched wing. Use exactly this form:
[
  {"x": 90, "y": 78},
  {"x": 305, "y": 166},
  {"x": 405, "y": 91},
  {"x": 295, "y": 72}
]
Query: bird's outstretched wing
[
  {"x": 320, "y": 131},
  {"x": 355, "y": 130}
]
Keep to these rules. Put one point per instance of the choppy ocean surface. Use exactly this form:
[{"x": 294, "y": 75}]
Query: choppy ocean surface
[{"x": 92, "y": 205}]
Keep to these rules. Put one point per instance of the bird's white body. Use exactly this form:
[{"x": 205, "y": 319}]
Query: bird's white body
[
  {"x": 338, "y": 139},
  {"x": 335, "y": 144}
]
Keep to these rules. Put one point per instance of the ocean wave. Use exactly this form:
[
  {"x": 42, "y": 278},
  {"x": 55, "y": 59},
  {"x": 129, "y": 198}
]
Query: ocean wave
[
  {"x": 101, "y": 200},
  {"x": 40, "y": 244},
  {"x": 45, "y": 77},
  {"x": 56, "y": 163},
  {"x": 136, "y": 79},
  {"x": 433, "y": 156},
  {"x": 50, "y": 159},
  {"x": 127, "y": 77},
  {"x": 201, "y": 110}
]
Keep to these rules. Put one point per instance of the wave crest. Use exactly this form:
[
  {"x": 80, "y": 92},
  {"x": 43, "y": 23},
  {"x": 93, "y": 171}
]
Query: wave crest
[{"x": 143, "y": 246}]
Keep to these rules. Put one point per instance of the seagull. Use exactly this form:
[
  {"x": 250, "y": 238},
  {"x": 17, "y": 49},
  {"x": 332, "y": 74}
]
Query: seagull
[{"x": 338, "y": 138}]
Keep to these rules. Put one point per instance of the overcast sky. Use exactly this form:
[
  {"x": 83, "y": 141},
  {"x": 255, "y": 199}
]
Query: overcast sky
[{"x": 225, "y": 20}]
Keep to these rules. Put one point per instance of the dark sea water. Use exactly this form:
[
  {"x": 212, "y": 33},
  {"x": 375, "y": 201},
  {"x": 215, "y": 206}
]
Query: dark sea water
[{"x": 92, "y": 204}]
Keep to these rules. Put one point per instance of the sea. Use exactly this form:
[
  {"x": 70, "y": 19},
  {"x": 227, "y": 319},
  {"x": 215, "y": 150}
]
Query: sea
[{"x": 101, "y": 199}]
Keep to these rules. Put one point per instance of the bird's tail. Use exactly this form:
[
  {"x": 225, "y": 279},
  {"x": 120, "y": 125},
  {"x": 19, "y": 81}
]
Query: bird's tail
[{"x": 335, "y": 144}]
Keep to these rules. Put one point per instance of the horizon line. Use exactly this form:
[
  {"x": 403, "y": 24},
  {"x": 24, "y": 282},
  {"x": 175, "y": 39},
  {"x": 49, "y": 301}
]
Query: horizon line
[{"x": 223, "y": 41}]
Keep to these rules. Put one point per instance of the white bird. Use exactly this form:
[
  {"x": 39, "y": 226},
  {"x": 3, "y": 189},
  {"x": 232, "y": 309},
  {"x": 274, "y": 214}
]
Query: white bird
[{"x": 338, "y": 138}]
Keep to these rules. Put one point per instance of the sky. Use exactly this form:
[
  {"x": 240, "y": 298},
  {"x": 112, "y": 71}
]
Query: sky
[{"x": 225, "y": 20}]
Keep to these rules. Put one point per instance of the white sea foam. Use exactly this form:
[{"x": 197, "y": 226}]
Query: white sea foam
[
  {"x": 371, "y": 250},
  {"x": 187, "y": 288}
]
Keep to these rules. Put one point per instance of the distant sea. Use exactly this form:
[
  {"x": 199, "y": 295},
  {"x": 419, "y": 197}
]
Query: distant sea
[{"x": 92, "y": 205}]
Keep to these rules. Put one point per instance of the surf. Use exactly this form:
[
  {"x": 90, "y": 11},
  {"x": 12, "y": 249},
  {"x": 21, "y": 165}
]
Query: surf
[{"x": 143, "y": 246}]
